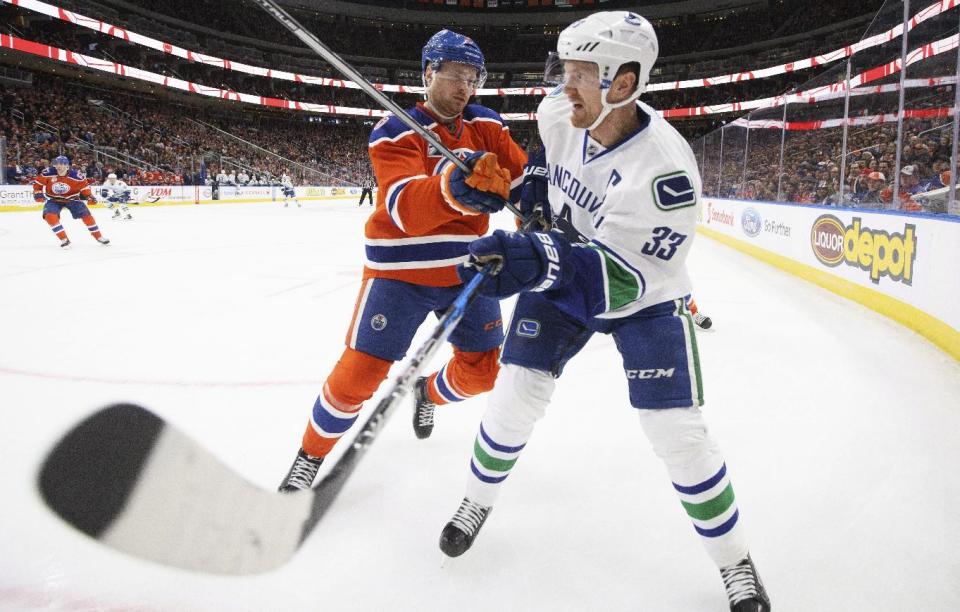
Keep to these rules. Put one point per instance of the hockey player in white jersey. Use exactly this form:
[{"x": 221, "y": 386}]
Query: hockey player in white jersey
[
  {"x": 116, "y": 194},
  {"x": 629, "y": 183},
  {"x": 289, "y": 193}
]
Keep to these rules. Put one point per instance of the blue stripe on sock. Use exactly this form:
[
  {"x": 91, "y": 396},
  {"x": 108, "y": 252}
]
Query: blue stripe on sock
[
  {"x": 328, "y": 422},
  {"x": 93, "y": 228},
  {"x": 444, "y": 389},
  {"x": 485, "y": 478},
  {"x": 722, "y": 529},
  {"x": 706, "y": 485},
  {"x": 499, "y": 447}
]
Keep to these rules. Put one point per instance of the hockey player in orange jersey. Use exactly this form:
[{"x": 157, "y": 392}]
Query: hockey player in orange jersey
[
  {"x": 427, "y": 212},
  {"x": 61, "y": 187}
]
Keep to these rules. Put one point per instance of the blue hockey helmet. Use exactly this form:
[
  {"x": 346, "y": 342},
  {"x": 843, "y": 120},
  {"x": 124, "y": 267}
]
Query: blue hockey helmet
[
  {"x": 447, "y": 46},
  {"x": 60, "y": 159}
]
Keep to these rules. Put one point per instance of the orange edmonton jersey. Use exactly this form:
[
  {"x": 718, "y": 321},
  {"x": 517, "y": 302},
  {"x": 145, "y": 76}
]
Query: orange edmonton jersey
[
  {"x": 71, "y": 186},
  {"x": 413, "y": 235}
]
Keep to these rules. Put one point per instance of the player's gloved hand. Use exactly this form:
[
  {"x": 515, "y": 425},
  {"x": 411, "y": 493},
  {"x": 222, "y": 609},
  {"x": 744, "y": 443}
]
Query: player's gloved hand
[
  {"x": 39, "y": 198},
  {"x": 484, "y": 190},
  {"x": 534, "y": 204},
  {"x": 529, "y": 262}
]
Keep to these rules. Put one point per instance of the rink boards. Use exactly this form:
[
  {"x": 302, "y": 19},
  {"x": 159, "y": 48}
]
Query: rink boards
[
  {"x": 20, "y": 197},
  {"x": 901, "y": 265}
]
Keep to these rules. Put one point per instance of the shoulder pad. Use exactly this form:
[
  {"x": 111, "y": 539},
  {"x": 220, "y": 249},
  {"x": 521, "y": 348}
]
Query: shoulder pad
[
  {"x": 390, "y": 126},
  {"x": 478, "y": 111},
  {"x": 76, "y": 174},
  {"x": 48, "y": 172}
]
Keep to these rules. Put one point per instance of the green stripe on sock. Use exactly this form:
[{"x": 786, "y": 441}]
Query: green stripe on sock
[
  {"x": 490, "y": 462},
  {"x": 696, "y": 355},
  {"x": 712, "y": 508}
]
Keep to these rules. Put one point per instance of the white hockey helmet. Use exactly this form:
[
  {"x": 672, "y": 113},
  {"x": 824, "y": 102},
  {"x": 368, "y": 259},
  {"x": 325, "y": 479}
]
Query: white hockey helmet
[
  {"x": 111, "y": 177},
  {"x": 608, "y": 39}
]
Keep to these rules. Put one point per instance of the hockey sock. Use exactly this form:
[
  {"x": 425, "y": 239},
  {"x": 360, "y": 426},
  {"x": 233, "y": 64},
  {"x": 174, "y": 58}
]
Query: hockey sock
[
  {"x": 519, "y": 399},
  {"x": 465, "y": 375},
  {"x": 699, "y": 476},
  {"x": 329, "y": 420},
  {"x": 353, "y": 381},
  {"x": 54, "y": 222},
  {"x": 92, "y": 226},
  {"x": 692, "y": 306}
]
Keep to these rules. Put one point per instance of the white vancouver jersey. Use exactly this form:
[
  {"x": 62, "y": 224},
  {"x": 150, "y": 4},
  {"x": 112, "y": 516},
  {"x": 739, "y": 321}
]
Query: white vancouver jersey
[
  {"x": 117, "y": 188},
  {"x": 636, "y": 202}
]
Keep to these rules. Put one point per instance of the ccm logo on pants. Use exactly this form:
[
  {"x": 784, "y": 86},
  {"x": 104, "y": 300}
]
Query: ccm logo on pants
[{"x": 644, "y": 374}]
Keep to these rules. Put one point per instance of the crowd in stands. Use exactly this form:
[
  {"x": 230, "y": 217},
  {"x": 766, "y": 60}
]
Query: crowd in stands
[
  {"x": 811, "y": 171},
  {"x": 148, "y": 140}
]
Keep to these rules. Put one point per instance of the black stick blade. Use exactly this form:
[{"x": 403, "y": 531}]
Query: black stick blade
[
  {"x": 140, "y": 486},
  {"x": 115, "y": 441}
]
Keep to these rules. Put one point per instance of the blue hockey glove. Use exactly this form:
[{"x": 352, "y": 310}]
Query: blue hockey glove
[
  {"x": 484, "y": 190},
  {"x": 533, "y": 191},
  {"x": 529, "y": 262}
]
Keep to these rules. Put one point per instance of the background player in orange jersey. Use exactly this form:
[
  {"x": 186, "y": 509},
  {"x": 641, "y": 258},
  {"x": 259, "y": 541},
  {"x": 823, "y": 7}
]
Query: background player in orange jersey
[
  {"x": 427, "y": 212},
  {"x": 62, "y": 187}
]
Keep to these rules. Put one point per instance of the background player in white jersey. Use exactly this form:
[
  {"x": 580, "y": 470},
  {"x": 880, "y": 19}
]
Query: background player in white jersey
[
  {"x": 116, "y": 194},
  {"x": 289, "y": 193},
  {"x": 629, "y": 183}
]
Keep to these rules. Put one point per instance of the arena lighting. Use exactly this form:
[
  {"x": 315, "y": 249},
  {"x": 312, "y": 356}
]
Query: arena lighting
[
  {"x": 805, "y": 97},
  {"x": 931, "y": 11}
]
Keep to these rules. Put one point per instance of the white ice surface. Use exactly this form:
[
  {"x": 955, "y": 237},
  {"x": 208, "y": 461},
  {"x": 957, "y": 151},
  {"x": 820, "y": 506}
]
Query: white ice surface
[{"x": 841, "y": 431}]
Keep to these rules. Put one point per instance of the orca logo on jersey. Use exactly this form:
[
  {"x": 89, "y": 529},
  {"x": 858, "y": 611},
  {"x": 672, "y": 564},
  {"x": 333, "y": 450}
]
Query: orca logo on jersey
[
  {"x": 528, "y": 328},
  {"x": 378, "y": 322},
  {"x": 673, "y": 191},
  {"x": 60, "y": 188}
]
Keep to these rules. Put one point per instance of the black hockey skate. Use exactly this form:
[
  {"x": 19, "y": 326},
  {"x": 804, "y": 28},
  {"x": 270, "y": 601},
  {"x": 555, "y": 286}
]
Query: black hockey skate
[
  {"x": 423, "y": 408},
  {"x": 103, "y": 240},
  {"x": 65, "y": 243},
  {"x": 702, "y": 321},
  {"x": 458, "y": 535},
  {"x": 744, "y": 588},
  {"x": 301, "y": 474}
]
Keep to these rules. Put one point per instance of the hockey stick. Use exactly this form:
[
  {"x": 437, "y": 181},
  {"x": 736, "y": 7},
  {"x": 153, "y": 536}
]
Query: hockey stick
[{"x": 139, "y": 485}]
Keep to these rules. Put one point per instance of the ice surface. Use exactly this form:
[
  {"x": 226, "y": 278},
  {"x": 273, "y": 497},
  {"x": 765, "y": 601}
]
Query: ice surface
[{"x": 841, "y": 431}]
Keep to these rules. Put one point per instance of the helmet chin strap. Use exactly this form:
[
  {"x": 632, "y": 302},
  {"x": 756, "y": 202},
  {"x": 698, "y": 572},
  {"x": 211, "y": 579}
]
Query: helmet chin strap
[{"x": 608, "y": 107}]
